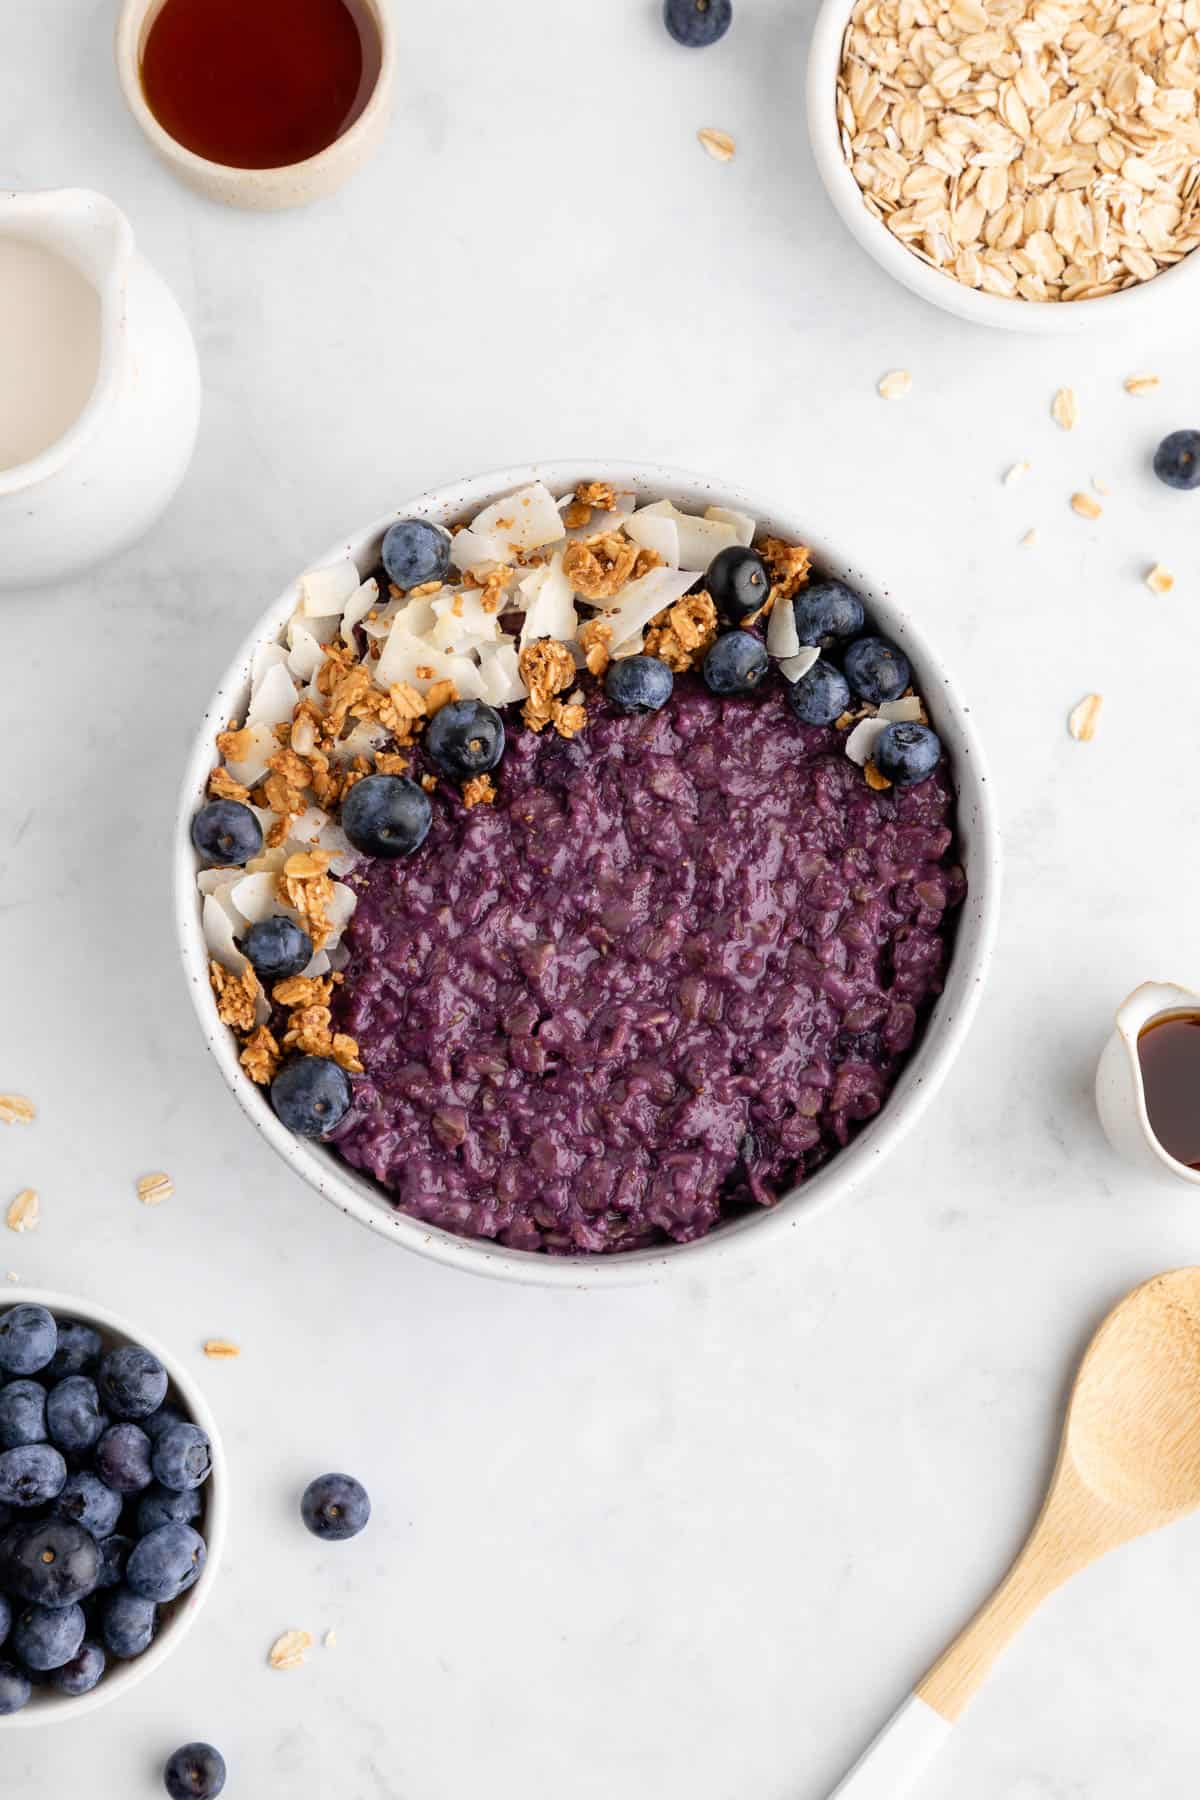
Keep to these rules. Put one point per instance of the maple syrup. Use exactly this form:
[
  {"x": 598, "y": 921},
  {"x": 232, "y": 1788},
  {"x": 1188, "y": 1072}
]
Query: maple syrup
[
  {"x": 1169, "y": 1054},
  {"x": 259, "y": 84}
]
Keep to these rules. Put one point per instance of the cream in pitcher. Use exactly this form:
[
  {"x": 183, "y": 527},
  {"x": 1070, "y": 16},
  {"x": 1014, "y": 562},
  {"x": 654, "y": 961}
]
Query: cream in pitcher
[{"x": 49, "y": 348}]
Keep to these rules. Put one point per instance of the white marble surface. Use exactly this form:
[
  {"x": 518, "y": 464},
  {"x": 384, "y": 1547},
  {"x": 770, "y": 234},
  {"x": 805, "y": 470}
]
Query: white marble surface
[{"x": 685, "y": 1542}]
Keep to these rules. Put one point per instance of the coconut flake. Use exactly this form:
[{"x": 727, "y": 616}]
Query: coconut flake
[
  {"x": 264, "y": 658},
  {"x": 307, "y": 653},
  {"x": 255, "y": 897},
  {"x": 630, "y": 646},
  {"x": 742, "y": 523},
  {"x": 550, "y": 604},
  {"x": 699, "y": 539},
  {"x": 783, "y": 639},
  {"x": 860, "y": 745},
  {"x": 251, "y": 769},
  {"x": 524, "y": 520},
  {"x": 640, "y": 600},
  {"x": 793, "y": 667},
  {"x": 905, "y": 711},
  {"x": 273, "y": 700},
  {"x": 366, "y": 737},
  {"x": 499, "y": 674},
  {"x": 218, "y": 936},
  {"x": 358, "y": 606},
  {"x": 655, "y": 532},
  {"x": 324, "y": 592}
]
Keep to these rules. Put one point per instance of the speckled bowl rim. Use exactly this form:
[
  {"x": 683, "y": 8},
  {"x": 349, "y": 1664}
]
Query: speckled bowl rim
[
  {"x": 49, "y": 1708},
  {"x": 945, "y": 1031}
]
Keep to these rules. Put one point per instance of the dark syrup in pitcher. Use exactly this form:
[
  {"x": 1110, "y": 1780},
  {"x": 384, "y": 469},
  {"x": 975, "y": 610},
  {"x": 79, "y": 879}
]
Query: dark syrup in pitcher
[{"x": 1169, "y": 1053}]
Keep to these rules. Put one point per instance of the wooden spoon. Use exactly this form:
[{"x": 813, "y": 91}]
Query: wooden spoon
[{"x": 1129, "y": 1462}]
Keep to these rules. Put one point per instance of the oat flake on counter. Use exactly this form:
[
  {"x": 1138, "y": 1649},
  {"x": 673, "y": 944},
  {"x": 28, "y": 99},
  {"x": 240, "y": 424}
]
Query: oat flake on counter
[
  {"x": 1085, "y": 717},
  {"x": 1141, "y": 384},
  {"x": 1159, "y": 580},
  {"x": 1085, "y": 506},
  {"x": 1064, "y": 409},
  {"x": 896, "y": 384},
  {"x": 287, "y": 1652},
  {"x": 719, "y": 145},
  {"x": 152, "y": 1190},
  {"x": 15, "y": 1109},
  {"x": 221, "y": 1348},
  {"x": 25, "y": 1213}
]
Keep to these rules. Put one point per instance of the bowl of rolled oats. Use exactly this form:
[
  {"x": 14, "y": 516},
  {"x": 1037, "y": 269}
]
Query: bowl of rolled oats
[
  {"x": 544, "y": 889},
  {"x": 1010, "y": 160}
]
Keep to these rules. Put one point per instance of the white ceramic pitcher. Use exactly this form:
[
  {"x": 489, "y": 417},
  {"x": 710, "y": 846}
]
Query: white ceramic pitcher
[
  {"x": 108, "y": 477},
  {"x": 1120, "y": 1093}
]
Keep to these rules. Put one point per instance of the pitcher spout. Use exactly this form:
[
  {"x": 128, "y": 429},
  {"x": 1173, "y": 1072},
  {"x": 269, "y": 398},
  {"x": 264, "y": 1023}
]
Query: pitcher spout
[{"x": 1147, "y": 1002}]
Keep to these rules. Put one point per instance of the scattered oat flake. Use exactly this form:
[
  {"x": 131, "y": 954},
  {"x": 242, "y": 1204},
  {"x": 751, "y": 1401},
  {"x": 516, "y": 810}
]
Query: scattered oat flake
[
  {"x": 896, "y": 384},
  {"x": 330, "y": 1639},
  {"x": 719, "y": 144},
  {"x": 12, "y": 1276},
  {"x": 1084, "y": 718},
  {"x": 154, "y": 1189},
  {"x": 25, "y": 1212},
  {"x": 287, "y": 1652},
  {"x": 1030, "y": 539},
  {"x": 1017, "y": 473},
  {"x": 1101, "y": 486},
  {"x": 1141, "y": 384},
  {"x": 15, "y": 1109},
  {"x": 1064, "y": 410},
  {"x": 221, "y": 1347},
  {"x": 1085, "y": 506},
  {"x": 1159, "y": 580}
]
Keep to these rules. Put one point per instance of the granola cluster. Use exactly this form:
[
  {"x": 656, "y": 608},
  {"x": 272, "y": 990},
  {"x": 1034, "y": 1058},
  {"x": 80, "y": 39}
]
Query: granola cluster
[
  {"x": 683, "y": 634},
  {"x": 548, "y": 670}
]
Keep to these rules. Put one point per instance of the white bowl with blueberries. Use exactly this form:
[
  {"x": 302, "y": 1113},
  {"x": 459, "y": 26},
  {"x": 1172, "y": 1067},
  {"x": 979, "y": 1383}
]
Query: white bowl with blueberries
[
  {"x": 223, "y": 912},
  {"x": 112, "y": 1507}
]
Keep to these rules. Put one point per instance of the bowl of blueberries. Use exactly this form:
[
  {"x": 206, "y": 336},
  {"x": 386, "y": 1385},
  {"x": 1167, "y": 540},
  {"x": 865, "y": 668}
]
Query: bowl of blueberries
[{"x": 112, "y": 1506}]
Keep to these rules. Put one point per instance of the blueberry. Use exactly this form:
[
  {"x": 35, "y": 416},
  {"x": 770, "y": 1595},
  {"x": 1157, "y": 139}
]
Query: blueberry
[
  {"x": 820, "y": 696},
  {"x": 5, "y": 1617},
  {"x": 90, "y": 1502},
  {"x": 167, "y": 1506},
  {"x": 736, "y": 663},
  {"x": 158, "y": 1421},
  {"x": 1177, "y": 460},
  {"x": 194, "y": 1772},
  {"x": 28, "y": 1339},
  {"x": 165, "y": 1563},
  {"x": 386, "y": 815},
  {"x": 15, "y": 1689},
  {"x": 122, "y": 1458},
  {"x": 277, "y": 947},
  {"x": 465, "y": 738},
  {"x": 114, "y": 1554},
  {"x": 827, "y": 613},
  {"x": 226, "y": 833},
  {"x": 415, "y": 551},
  {"x": 697, "y": 23},
  {"x": 127, "y": 1623},
  {"x": 311, "y": 1095},
  {"x": 74, "y": 1419},
  {"x": 22, "y": 1414},
  {"x": 80, "y": 1675},
  {"x": 737, "y": 583},
  {"x": 78, "y": 1350},
  {"x": 52, "y": 1562},
  {"x": 907, "y": 753},
  {"x": 335, "y": 1507},
  {"x": 132, "y": 1382},
  {"x": 876, "y": 670},
  {"x": 31, "y": 1474},
  {"x": 45, "y": 1637},
  {"x": 183, "y": 1457},
  {"x": 639, "y": 684}
]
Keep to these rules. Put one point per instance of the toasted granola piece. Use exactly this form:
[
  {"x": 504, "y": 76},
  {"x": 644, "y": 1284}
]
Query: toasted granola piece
[
  {"x": 570, "y": 716},
  {"x": 309, "y": 1030},
  {"x": 577, "y": 513},
  {"x": 682, "y": 635},
  {"x": 236, "y": 995},
  {"x": 480, "y": 790},
  {"x": 595, "y": 640},
  {"x": 260, "y": 1057},
  {"x": 302, "y": 990},
  {"x": 599, "y": 567},
  {"x": 308, "y": 894},
  {"x": 390, "y": 762},
  {"x": 787, "y": 565},
  {"x": 222, "y": 786},
  {"x": 346, "y": 1054},
  {"x": 547, "y": 668},
  {"x": 492, "y": 584},
  {"x": 235, "y": 745},
  {"x": 442, "y": 693}
]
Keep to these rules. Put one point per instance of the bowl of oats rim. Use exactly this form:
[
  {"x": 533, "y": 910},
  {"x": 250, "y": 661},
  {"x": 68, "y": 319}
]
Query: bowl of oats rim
[{"x": 1032, "y": 167}]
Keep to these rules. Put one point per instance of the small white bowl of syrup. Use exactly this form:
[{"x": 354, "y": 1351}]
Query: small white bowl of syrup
[
  {"x": 1148, "y": 1081},
  {"x": 263, "y": 105}
]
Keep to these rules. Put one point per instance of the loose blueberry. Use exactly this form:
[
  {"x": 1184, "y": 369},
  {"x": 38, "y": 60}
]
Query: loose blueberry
[
  {"x": 415, "y": 551},
  {"x": 127, "y": 1623},
  {"x": 194, "y": 1772},
  {"x": 736, "y": 663},
  {"x": 114, "y": 1554},
  {"x": 821, "y": 696},
  {"x": 183, "y": 1457},
  {"x": 335, "y": 1507},
  {"x": 876, "y": 670},
  {"x": 386, "y": 815},
  {"x": 639, "y": 684},
  {"x": 52, "y": 1562},
  {"x": 90, "y": 1502},
  {"x": 167, "y": 1506},
  {"x": 22, "y": 1414},
  {"x": 122, "y": 1458},
  {"x": 311, "y": 1095},
  {"x": 158, "y": 1421},
  {"x": 74, "y": 1418},
  {"x": 697, "y": 23},
  {"x": 827, "y": 613},
  {"x": 277, "y": 948},
  {"x": 132, "y": 1383},
  {"x": 5, "y": 1617},
  {"x": 1177, "y": 460},
  {"x": 15, "y": 1689},
  {"x": 80, "y": 1675},
  {"x": 78, "y": 1350},
  {"x": 45, "y": 1637},
  {"x": 737, "y": 583},
  {"x": 28, "y": 1339},
  {"x": 31, "y": 1475},
  {"x": 165, "y": 1563},
  {"x": 226, "y": 833},
  {"x": 465, "y": 738},
  {"x": 907, "y": 753}
]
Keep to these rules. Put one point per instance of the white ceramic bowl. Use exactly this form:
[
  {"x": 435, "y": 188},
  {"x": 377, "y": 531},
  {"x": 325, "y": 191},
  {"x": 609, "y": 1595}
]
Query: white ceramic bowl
[
  {"x": 1128, "y": 309},
  {"x": 361, "y": 1198},
  {"x": 47, "y": 1707}
]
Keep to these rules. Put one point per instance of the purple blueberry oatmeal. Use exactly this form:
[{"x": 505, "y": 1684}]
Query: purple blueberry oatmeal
[{"x": 597, "y": 882}]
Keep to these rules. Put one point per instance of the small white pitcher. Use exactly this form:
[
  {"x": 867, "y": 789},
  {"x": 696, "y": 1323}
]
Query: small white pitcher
[
  {"x": 1120, "y": 1093},
  {"x": 108, "y": 477}
]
